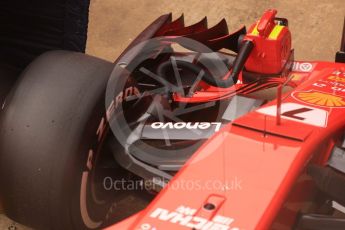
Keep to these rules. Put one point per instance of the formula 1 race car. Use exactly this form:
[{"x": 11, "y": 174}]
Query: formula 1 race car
[{"x": 191, "y": 128}]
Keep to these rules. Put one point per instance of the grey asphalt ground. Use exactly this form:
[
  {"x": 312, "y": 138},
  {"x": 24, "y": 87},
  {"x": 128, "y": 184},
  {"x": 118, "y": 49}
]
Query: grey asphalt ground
[{"x": 315, "y": 25}]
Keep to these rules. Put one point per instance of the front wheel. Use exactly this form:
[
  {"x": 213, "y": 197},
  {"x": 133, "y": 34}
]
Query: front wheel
[{"x": 52, "y": 134}]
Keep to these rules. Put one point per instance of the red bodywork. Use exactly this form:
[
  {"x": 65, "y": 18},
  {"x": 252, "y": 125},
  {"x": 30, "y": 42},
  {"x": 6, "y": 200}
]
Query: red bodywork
[{"x": 251, "y": 174}]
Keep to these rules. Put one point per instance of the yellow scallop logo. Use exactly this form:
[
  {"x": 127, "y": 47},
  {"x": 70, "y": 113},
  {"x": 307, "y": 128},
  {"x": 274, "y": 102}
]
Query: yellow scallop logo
[{"x": 320, "y": 99}]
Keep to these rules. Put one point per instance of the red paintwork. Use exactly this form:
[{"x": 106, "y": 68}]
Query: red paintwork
[{"x": 267, "y": 158}]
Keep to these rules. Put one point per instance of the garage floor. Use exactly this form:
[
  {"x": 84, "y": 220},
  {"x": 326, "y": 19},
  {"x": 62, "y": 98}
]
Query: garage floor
[{"x": 316, "y": 26}]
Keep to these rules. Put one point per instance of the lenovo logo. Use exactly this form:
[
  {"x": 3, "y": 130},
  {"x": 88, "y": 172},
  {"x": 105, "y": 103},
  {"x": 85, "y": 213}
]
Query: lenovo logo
[{"x": 187, "y": 125}]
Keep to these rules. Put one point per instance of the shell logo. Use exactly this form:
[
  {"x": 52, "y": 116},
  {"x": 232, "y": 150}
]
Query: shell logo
[{"x": 320, "y": 98}]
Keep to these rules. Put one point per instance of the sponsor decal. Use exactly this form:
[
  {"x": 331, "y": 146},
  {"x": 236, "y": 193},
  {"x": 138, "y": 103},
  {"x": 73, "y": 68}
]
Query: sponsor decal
[
  {"x": 333, "y": 84},
  {"x": 185, "y": 216},
  {"x": 336, "y": 78},
  {"x": 340, "y": 73},
  {"x": 299, "y": 113},
  {"x": 119, "y": 98},
  {"x": 319, "y": 98},
  {"x": 305, "y": 67},
  {"x": 187, "y": 125}
]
